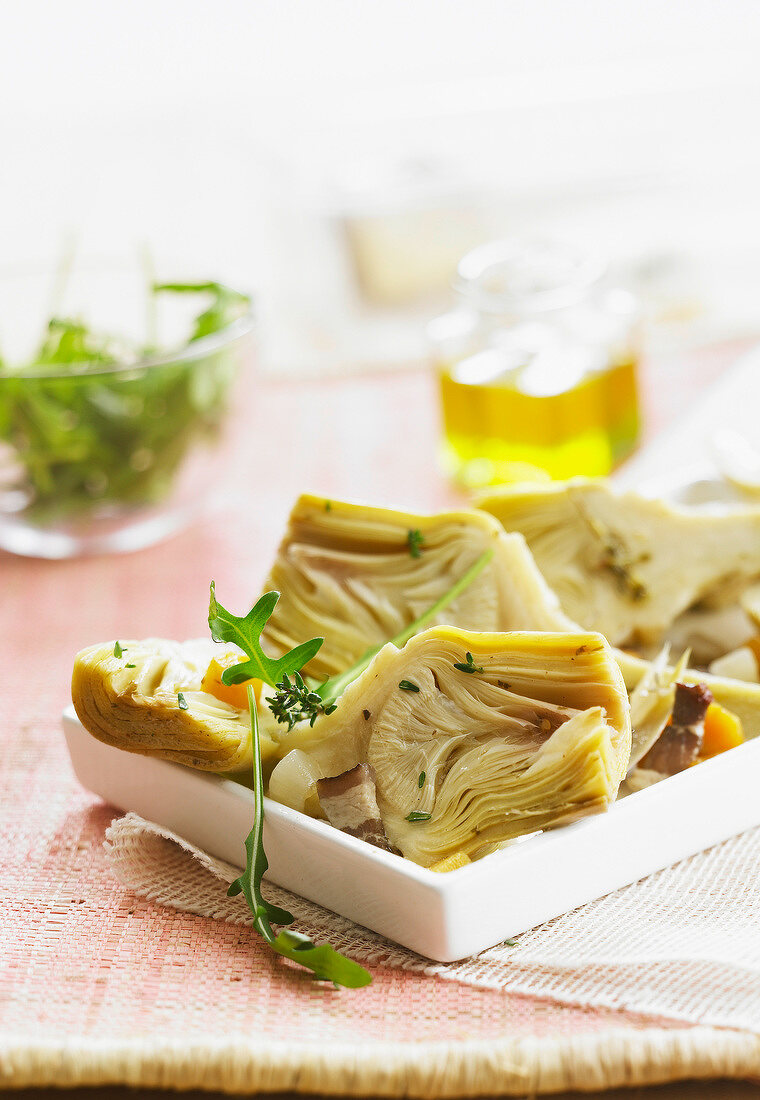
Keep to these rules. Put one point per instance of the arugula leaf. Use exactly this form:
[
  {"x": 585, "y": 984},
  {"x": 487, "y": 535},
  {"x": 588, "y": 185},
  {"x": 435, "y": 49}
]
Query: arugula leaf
[
  {"x": 227, "y": 305},
  {"x": 69, "y": 341},
  {"x": 246, "y": 633},
  {"x": 324, "y": 961}
]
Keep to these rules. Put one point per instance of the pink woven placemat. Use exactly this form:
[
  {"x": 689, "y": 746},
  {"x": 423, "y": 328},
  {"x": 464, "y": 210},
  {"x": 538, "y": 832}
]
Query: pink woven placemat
[{"x": 99, "y": 986}]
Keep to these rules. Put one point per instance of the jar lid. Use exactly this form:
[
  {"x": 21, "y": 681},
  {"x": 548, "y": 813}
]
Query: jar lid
[{"x": 527, "y": 275}]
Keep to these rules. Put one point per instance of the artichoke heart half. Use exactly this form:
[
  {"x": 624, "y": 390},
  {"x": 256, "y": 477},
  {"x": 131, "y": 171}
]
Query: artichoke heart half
[
  {"x": 132, "y": 702},
  {"x": 358, "y": 576},
  {"x": 476, "y": 738},
  {"x": 627, "y": 565}
]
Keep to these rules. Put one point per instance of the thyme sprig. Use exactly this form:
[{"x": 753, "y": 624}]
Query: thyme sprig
[{"x": 294, "y": 701}]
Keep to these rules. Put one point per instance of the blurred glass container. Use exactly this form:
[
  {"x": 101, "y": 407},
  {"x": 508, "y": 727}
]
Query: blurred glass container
[
  {"x": 103, "y": 456},
  {"x": 537, "y": 366},
  {"x": 407, "y": 223}
]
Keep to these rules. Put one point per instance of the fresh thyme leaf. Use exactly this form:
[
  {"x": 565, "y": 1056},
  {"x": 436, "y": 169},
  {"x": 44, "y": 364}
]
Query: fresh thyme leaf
[
  {"x": 511, "y": 943},
  {"x": 421, "y": 780},
  {"x": 325, "y": 962},
  {"x": 407, "y": 685},
  {"x": 328, "y": 506},
  {"x": 415, "y": 540},
  {"x": 418, "y": 815},
  {"x": 117, "y": 650},
  {"x": 181, "y": 701},
  {"x": 130, "y": 666},
  {"x": 469, "y": 666},
  {"x": 295, "y": 701},
  {"x": 227, "y": 305}
]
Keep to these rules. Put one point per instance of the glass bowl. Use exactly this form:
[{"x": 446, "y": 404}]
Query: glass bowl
[{"x": 98, "y": 457}]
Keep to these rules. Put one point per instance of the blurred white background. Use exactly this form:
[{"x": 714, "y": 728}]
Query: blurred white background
[{"x": 297, "y": 147}]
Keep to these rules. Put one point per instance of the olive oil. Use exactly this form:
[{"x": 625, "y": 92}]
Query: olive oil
[
  {"x": 537, "y": 366},
  {"x": 498, "y": 430}
]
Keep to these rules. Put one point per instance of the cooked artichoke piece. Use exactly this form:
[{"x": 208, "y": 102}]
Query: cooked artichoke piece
[
  {"x": 478, "y": 738},
  {"x": 627, "y": 565},
  {"x": 357, "y": 576},
  {"x": 132, "y": 702}
]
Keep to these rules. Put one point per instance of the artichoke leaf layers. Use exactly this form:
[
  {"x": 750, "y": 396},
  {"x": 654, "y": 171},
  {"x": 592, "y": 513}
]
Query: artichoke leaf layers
[
  {"x": 149, "y": 700},
  {"x": 480, "y": 738},
  {"x": 628, "y": 565},
  {"x": 358, "y": 576}
]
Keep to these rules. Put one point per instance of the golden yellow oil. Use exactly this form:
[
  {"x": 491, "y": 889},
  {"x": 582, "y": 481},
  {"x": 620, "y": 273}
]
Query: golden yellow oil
[{"x": 495, "y": 432}]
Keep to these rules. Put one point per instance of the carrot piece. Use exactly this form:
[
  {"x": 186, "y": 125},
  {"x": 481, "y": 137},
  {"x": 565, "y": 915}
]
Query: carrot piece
[
  {"x": 234, "y": 694},
  {"x": 723, "y": 730},
  {"x": 452, "y": 862}
]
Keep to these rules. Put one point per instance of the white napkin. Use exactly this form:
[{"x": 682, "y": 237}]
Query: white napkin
[{"x": 683, "y": 943}]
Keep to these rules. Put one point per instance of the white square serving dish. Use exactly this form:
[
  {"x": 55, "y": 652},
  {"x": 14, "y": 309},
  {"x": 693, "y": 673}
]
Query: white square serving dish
[{"x": 443, "y": 916}]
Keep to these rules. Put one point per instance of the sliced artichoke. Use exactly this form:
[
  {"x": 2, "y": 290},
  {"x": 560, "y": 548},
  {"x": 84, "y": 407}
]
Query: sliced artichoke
[
  {"x": 149, "y": 701},
  {"x": 476, "y": 738},
  {"x": 358, "y": 576},
  {"x": 628, "y": 565}
]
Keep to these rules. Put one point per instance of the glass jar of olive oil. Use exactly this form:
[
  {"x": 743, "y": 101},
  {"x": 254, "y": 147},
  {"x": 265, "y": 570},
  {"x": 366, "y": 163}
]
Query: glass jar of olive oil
[{"x": 537, "y": 366}]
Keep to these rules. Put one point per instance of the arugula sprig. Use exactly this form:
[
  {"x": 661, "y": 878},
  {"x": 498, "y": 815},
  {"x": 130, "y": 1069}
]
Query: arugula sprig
[
  {"x": 71, "y": 341},
  {"x": 324, "y": 961},
  {"x": 227, "y": 305}
]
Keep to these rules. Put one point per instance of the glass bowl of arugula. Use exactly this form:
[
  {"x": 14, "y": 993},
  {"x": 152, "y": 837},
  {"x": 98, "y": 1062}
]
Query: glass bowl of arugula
[{"x": 110, "y": 443}]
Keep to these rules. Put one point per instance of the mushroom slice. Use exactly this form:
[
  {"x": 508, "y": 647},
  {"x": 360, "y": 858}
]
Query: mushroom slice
[
  {"x": 349, "y": 802},
  {"x": 149, "y": 701},
  {"x": 679, "y": 743},
  {"x": 479, "y": 738},
  {"x": 625, "y": 564},
  {"x": 358, "y": 576},
  {"x": 652, "y": 704}
]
